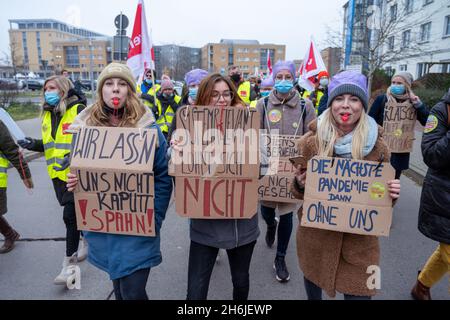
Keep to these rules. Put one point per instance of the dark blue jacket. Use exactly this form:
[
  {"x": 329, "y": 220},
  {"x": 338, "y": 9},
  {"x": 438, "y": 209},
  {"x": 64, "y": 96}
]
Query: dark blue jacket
[
  {"x": 120, "y": 255},
  {"x": 434, "y": 213},
  {"x": 400, "y": 161}
]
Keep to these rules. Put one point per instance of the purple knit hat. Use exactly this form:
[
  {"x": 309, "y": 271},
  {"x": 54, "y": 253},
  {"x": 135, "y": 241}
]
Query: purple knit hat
[
  {"x": 284, "y": 65},
  {"x": 195, "y": 76},
  {"x": 349, "y": 82},
  {"x": 267, "y": 82}
]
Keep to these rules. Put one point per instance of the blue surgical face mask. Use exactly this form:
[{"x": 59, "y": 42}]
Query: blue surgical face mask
[
  {"x": 149, "y": 82},
  {"x": 52, "y": 98},
  {"x": 284, "y": 86},
  {"x": 265, "y": 94},
  {"x": 193, "y": 93},
  {"x": 398, "y": 89},
  {"x": 324, "y": 82}
]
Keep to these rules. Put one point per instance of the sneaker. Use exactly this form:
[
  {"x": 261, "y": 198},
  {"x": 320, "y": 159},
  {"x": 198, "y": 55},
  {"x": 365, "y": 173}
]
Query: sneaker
[
  {"x": 281, "y": 271},
  {"x": 270, "y": 234},
  {"x": 82, "y": 250}
]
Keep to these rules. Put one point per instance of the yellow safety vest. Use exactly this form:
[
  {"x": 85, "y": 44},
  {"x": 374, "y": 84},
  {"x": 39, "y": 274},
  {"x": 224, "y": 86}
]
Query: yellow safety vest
[
  {"x": 244, "y": 92},
  {"x": 56, "y": 149},
  {"x": 319, "y": 96},
  {"x": 165, "y": 120},
  {"x": 4, "y": 163},
  {"x": 152, "y": 92},
  {"x": 254, "y": 103}
]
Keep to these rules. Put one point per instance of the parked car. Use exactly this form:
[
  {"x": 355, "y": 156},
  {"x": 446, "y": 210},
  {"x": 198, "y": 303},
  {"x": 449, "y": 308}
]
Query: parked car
[{"x": 34, "y": 84}]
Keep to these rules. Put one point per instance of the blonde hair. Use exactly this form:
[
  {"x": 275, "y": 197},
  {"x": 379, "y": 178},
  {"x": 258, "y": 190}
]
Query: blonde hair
[
  {"x": 64, "y": 85},
  {"x": 133, "y": 112},
  {"x": 327, "y": 135}
]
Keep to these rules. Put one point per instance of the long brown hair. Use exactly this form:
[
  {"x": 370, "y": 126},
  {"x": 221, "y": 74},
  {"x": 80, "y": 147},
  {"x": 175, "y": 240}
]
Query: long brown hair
[
  {"x": 134, "y": 111},
  {"x": 207, "y": 87}
]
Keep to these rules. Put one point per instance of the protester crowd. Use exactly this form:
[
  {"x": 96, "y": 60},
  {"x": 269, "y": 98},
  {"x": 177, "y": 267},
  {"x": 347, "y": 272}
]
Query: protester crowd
[{"x": 335, "y": 120}]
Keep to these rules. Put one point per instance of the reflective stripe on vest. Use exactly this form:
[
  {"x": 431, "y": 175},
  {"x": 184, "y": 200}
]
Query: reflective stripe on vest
[
  {"x": 165, "y": 121},
  {"x": 4, "y": 163},
  {"x": 56, "y": 149},
  {"x": 152, "y": 92},
  {"x": 244, "y": 92}
]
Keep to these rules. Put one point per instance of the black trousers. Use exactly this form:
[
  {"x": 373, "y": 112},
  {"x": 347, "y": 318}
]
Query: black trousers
[
  {"x": 202, "y": 259},
  {"x": 132, "y": 287},
  {"x": 66, "y": 199}
]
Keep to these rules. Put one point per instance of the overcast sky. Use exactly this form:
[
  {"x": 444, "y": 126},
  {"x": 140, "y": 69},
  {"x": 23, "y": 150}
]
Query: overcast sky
[{"x": 193, "y": 23}]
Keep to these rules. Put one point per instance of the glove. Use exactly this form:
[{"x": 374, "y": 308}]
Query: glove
[{"x": 27, "y": 143}]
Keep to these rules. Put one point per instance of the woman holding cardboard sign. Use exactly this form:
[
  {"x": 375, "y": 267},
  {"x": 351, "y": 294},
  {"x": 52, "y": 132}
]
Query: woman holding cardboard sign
[
  {"x": 237, "y": 236},
  {"x": 127, "y": 259},
  {"x": 330, "y": 260},
  {"x": 397, "y": 111},
  {"x": 283, "y": 112},
  {"x": 62, "y": 105}
]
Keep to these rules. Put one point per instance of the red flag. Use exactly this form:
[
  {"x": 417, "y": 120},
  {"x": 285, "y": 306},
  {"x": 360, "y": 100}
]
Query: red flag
[
  {"x": 311, "y": 66},
  {"x": 269, "y": 63},
  {"x": 141, "y": 55}
]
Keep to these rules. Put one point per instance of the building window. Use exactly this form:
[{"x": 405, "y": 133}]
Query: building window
[
  {"x": 409, "y": 6},
  {"x": 406, "y": 38},
  {"x": 425, "y": 31},
  {"x": 391, "y": 43},
  {"x": 447, "y": 26},
  {"x": 446, "y": 68},
  {"x": 426, "y": 2},
  {"x": 393, "y": 11},
  {"x": 72, "y": 57},
  {"x": 403, "y": 67}
]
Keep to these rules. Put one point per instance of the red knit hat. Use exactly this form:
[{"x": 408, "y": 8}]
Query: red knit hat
[{"x": 323, "y": 74}]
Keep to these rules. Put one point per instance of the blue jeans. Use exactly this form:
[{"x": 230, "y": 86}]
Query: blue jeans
[
  {"x": 284, "y": 228},
  {"x": 315, "y": 293},
  {"x": 132, "y": 287},
  {"x": 201, "y": 263}
]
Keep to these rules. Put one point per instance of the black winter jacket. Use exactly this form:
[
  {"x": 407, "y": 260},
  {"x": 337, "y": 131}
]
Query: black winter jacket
[{"x": 434, "y": 214}]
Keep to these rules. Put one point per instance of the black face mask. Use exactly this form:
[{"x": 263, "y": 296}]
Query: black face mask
[{"x": 236, "y": 77}]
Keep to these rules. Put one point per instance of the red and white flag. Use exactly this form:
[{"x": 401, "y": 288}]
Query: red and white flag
[
  {"x": 269, "y": 63},
  {"x": 311, "y": 66},
  {"x": 141, "y": 55}
]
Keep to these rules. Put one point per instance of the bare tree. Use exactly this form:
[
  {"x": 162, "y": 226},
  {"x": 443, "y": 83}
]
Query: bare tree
[{"x": 381, "y": 30}]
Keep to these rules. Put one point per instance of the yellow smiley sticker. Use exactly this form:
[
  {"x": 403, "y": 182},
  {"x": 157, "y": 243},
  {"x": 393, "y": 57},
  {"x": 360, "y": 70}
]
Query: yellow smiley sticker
[
  {"x": 398, "y": 133},
  {"x": 432, "y": 124},
  {"x": 275, "y": 116},
  {"x": 377, "y": 191}
]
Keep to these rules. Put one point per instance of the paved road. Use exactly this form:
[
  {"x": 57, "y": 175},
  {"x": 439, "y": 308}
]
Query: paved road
[{"x": 28, "y": 271}]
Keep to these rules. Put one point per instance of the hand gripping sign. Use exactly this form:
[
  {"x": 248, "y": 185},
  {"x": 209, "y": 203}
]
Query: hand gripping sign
[
  {"x": 217, "y": 168},
  {"x": 348, "y": 196},
  {"x": 115, "y": 191}
]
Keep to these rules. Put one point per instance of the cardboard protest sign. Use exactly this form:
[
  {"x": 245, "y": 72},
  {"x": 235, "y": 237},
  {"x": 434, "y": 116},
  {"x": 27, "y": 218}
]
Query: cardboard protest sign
[
  {"x": 399, "y": 122},
  {"x": 220, "y": 198},
  {"x": 348, "y": 196},
  {"x": 115, "y": 191},
  {"x": 12, "y": 126},
  {"x": 217, "y": 172},
  {"x": 217, "y": 142},
  {"x": 276, "y": 184}
]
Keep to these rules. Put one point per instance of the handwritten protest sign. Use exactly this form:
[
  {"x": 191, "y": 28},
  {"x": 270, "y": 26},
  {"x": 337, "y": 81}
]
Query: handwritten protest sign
[
  {"x": 348, "y": 196},
  {"x": 217, "y": 171},
  {"x": 276, "y": 184},
  {"x": 115, "y": 192},
  {"x": 398, "y": 124}
]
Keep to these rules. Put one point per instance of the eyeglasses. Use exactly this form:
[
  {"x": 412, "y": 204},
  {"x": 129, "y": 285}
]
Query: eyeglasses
[{"x": 227, "y": 95}]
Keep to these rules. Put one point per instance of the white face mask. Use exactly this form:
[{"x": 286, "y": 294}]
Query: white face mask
[{"x": 324, "y": 82}]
